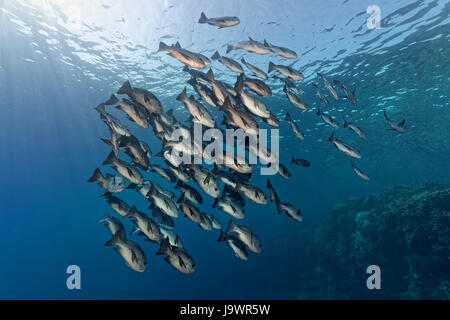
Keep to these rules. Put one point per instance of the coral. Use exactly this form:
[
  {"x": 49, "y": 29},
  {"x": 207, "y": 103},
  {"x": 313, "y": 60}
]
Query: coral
[{"x": 405, "y": 231}]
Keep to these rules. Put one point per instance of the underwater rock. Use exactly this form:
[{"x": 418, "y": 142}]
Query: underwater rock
[{"x": 405, "y": 231}]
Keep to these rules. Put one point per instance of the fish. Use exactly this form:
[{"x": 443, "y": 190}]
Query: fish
[
  {"x": 125, "y": 169},
  {"x": 286, "y": 71},
  {"x": 162, "y": 219},
  {"x": 283, "y": 171},
  {"x": 117, "y": 204},
  {"x": 205, "y": 179},
  {"x": 177, "y": 257},
  {"x": 321, "y": 95},
  {"x": 130, "y": 251},
  {"x": 214, "y": 222},
  {"x": 360, "y": 173},
  {"x": 283, "y": 52},
  {"x": 135, "y": 112},
  {"x": 147, "y": 185},
  {"x": 163, "y": 202},
  {"x": 255, "y": 70},
  {"x": 344, "y": 147},
  {"x": 189, "y": 192},
  {"x": 113, "y": 142},
  {"x": 137, "y": 150},
  {"x": 196, "y": 109},
  {"x": 329, "y": 87},
  {"x": 110, "y": 183},
  {"x": 173, "y": 237},
  {"x": 400, "y": 127},
  {"x": 294, "y": 99},
  {"x": 229, "y": 191},
  {"x": 220, "y": 22},
  {"x": 235, "y": 162},
  {"x": 113, "y": 123},
  {"x": 230, "y": 206},
  {"x": 294, "y": 127},
  {"x": 257, "y": 86},
  {"x": 163, "y": 172},
  {"x": 205, "y": 222},
  {"x": 167, "y": 118},
  {"x": 290, "y": 210},
  {"x": 239, "y": 117},
  {"x": 300, "y": 162},
  {"x": 196, "y": 74},
  {"x": 205, "y": 93},
  {"x": 239, "y": 248},
  {"x": 146, "y": 225},
  {"x": 272, "y": 120},
  {"x": 246, "y": 235},
  {"x": 142, "y": 96},
  {"x": 189, "y": 210},
  {"x": 189, "y": 58},
  {"x": 227, "y": 177},
  {"x": 219, "y": 89},
  {"x": 252, "y": 192},
  {"x": 350, "y": 95},
  {"x": 249, "y": 45},
  {"x": 179, "y": 172},
  {"x": 228, "y": 62},
  {"x": 253, "y": 104},
  {"x": 273, "y": 195},
  {"x": 327, "y": 119},
  {"x": 355, "y": 129},
  {"x": 113, "y": 224}
]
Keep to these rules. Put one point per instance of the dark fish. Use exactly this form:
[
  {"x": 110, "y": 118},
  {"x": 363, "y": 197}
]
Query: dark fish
[
  {"x": 300, "y": 162},
  {"x": 350, "y": 95},
  {"x": 220, "y": 22},
  {"x": 400, "y": 127},
  {"x": 294, "y": 127},
  {"x": 344, "y": 147}
]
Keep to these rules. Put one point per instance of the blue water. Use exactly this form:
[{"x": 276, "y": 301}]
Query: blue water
[{"x": 57, "y": 62}]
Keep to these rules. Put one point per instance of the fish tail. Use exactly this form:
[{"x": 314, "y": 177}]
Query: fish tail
[
  {"x": 105, "y": 218},
  {"x": 216, "y": 55},
  {"x": 106, "y": 195},
  {"x": 288, "y": 117},
  {"x": 182, "y": 95},
  {"x": 100, "y": 108},
  {"x": 97, "y": 175},
  {"x": 162, "y": 46},
  {"x": 110, "y": 159},
  {"x": 125, "y": 88},
  {"x": 229, "y": 47},
  {"x": 203, "y": 18},
  {"x": 165, "y": 247},
  {"x": 278, "y": 204},
  {"x": 115, "y": 240},
  {"x": 271, "y": 67},
  {"x": 112, "y": 100},
  {"x": 222, "y": 236},
  {"x": 331, "y": 138},
  {"x": 216, "y": 202},
  {"x": 209, "y": 76},
  {"x": 186, "y": 68}
]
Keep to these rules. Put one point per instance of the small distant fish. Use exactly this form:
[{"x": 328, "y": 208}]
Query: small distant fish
[
  {"x": 294, "y": 99},
  {"x": 283, "y": 52},
  {"x": 321, "y": 95},
  {"x": 286, "y": 71},
  {"x": 110, "y": 183},
  {"x": 228, "y": 62},
  {"x": 400, "y": 127},
  {"x": 196, "y": 109},
  {"x": 117, "y": 204},
  {"x": 257, "y": 86},
  {"x": 146, "y": 225},
  {"x": 113, "y": 224},
  {"x": 220, "y": 22},
  {"x": 246, "y": 235},
  {"x": 360, "y": 173},
  {"x": 255, "y": 70},
  {"x": 327, "y": 119},
  {"x": 329, "y": 87},
  {"x": 283, "y": 171},
  {"x": 191, "y": 59},
  {"x": 142, "y": 96},
  {"x": 290, "y": 210},
  {"x": 294, "y": 127},
  {"x": 350, "y": 94},
  {"x": 300, "y": 162},
  {"x": 355, "y": 129},
  {"x": 253, "y": 104},
  {"x": 125, "y": 169},
  {"x": 250, "y": 46},
  {"x": 130, "y": 251},
  {"x": 178, "y": 257},
  {"x": 113, "y": 123},
  {"x": 239, "y": 248},
  {"x": 344, "y": 147}
]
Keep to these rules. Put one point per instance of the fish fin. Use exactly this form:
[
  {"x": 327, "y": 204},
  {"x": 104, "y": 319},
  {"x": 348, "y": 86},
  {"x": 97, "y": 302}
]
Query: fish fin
[
  {"x": 134, "y": 230},
  {"x": 231, "y": 227},
  {"x": 216, "y": 201},
  {"x": 203, "y": 18},
  {"x": 229, "y": 47},
  {"x": 181, "y": 198},
  {"x": 106, "y": 195},
  {"x": 162, "y": 46},
  {"x": 114, "y": 240},
  {"x": 215, "y": 56},
  {"x": 186, "y": 68},
  {"x": 100, "y": 108},
  {"x": 285, "y": 88},
  {"x": 110, "y": 159},
  {"x": 132, "y": 212},
  {"x": 292, "y": 160},
  {"x": 209, "y": 76},
  {"x": 401, "y": 124},
  {"x": 125, "y": 88},
  {"x": 108, "y": 142},
  {"x": 252, "y": 41},
  {"x": 271, "y": 67},
  {"x": 165, "y": 247},
  {"x": 222, "y": 236},
  {"x": 278, "y": 204},
  {"x": 239, "y": 85},
  {"x": 266, "y": 44},
  {"x": 331, "y": 138},
  {"x": 105, "y": 218},
  {"x": 112, "y": 100},
  {"x": 192, "y": 81},
  {"x": 182, "y": 95},
  {"x": 177, "y": 45},
  {"x": 97, "y": 175},
  {"x": 243, "y": 61},
  {"x": 207, "y": 178},
  {"x": 181, "y": 262}
]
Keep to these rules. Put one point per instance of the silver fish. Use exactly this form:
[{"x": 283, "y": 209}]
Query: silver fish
[
  {"x": 286, "y": 71},
  {"x": 350, "y": 94},
  {"x": 228, "y": 62},
  {"x": 400, "y": 127},
  {"x": 283, "y": 52},
  {"x": 189, "y": 58},
  {"x": 238, "y": 247},
  {"x": 253, "y": 193},
  {"x": 135, "y": 112},
  {"x": 113, "y": 224},
  {"x": 179, "y": 258},
  {"x": 250, "y": 46},
  {"x": 125, "y": 169},
  {"x": 113, "y": 123},
  {"x": 344, "y": 147},
  {"x": 360, "y": 173},
  {"x": 146, "y": 225},
  {"x": 230, "y": 206},
  {"x": 327, "y": 119},
  {"x": 220, "y": 22},
  {"x": 257, "y": 86},
  {"x": 196, "y": 109},
  {"x": 246, "y": 235},
  {"x": 294, "y": 99},
  {"x": 253, "y": 104},
  {"x": 130, "y": 251},
  {"x": 294, "y": 127},
  {"x": 329, "y": 87},
  {"x": 110, "y": 183},
  {"x": 355, "y": 129},
  {"x": 255, "y": 70}
]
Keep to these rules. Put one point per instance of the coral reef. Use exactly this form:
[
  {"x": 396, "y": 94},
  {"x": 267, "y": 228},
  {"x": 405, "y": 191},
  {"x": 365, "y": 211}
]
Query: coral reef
[{"x": 405, "y": 231}]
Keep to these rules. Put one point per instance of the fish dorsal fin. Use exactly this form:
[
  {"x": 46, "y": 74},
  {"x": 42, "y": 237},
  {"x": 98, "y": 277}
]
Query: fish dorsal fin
[
  {"x": 177, "y": 45},
  {"x": 401, "y": 124}
]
